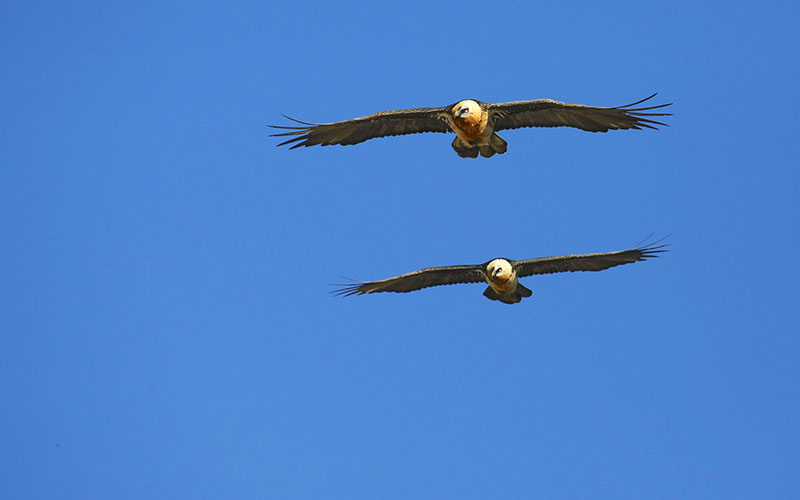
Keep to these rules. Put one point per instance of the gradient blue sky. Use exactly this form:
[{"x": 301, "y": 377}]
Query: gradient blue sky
[{"x": 167, "y": 327}]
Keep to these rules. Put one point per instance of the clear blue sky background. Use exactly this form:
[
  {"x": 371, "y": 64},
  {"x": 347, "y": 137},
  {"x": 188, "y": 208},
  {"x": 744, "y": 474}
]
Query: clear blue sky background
[{"x": 167, "y": 327}]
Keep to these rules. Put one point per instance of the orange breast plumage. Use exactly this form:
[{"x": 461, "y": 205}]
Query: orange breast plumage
[{"x": 470, "y": 126}]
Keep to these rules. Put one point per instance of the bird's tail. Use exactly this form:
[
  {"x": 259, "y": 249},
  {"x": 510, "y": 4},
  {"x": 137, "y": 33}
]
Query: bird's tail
[
  {"x": 511, "y": 298},
  {"x": 523, "y": 291},
  {"x": 496, "y": 145},
  {"x": 464, "y": 150},
  {"x": 499, "y": 145}
]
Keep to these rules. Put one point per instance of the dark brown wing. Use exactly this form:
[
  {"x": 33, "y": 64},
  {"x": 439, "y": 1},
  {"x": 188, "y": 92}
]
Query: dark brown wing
[
  {"x": 386, "y": 123},
  {"x": 588, "y": 262},
  {"x": 549, "y": 113},
  {"x": 432, "y": 276}
]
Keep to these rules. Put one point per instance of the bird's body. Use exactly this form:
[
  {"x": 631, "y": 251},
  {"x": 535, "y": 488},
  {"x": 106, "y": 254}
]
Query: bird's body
[
  {"x": 502, "y": 275},
  {"x": 468, "y": 120},
  {"x": 474, "y": 122}
]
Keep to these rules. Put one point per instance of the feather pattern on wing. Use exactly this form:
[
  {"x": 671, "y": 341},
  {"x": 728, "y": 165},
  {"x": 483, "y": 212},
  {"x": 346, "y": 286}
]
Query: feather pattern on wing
[
  {"x": 587, "y": 262},
  {"x": 386, "y": 123},
  {"x": 424, "y": 278},
  {"x": 549, "y": 113}
]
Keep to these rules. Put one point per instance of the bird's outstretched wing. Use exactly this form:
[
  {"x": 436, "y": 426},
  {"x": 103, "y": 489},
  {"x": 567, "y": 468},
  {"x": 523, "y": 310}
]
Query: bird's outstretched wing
[
  {"x": 431, "y": 276},
  {"x": 549, "y": 113},
  {"x": 386, "y": 123},
  {"x": 588, "y": 262}
]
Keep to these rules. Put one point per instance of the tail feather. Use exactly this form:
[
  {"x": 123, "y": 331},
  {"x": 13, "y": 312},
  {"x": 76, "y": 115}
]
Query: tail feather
[
  {"x": 511, "y": 298},
  {"x": 498, "y": 143},
  {"x": 464, "y": 150}
]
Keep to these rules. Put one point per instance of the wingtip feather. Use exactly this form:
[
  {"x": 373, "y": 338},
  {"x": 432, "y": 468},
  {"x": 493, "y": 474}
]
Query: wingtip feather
[
  {"x": 639, "y": 102},
  {"x": 300, "y": 121},
  {"x": 347, "y": 289},
  {"x": 652, "y": 249}
]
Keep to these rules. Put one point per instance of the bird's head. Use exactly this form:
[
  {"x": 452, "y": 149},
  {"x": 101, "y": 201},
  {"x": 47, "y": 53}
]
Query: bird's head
[
  {"x": 499, "y": 270},
  {"x": 466, "y": 109}
]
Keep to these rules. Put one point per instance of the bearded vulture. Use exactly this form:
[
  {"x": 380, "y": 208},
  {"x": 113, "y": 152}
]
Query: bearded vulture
[
  {"x": 501, "y": 274},
  {"x": 474, "y": 123}
]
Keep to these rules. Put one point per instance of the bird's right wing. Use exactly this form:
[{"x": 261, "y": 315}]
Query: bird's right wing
[
  {"x": 550, "y": 113},
  {"x": 432, "y": 276},
  {"x": 587, "y": 262},
  {"x": 386, "y": 123}
]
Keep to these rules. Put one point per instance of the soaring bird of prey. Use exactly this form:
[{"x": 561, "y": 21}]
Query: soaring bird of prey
[
  {"x": 502, "y": 274},
  {"x": 475, "y": 123}
]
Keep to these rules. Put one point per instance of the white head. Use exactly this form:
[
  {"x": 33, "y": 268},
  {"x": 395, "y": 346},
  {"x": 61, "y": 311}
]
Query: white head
[
  {"x": 466, "y": 109},
  {"x": 499, "y": 270}
]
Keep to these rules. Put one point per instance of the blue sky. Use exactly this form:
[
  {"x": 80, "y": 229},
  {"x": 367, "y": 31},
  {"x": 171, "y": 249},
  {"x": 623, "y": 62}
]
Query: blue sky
[{"x": 167, "y": 326}]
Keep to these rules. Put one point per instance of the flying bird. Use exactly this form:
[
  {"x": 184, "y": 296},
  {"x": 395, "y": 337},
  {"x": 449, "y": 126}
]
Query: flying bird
[
  {"x": 502, "y": 274},
  {"x": 475, "y": 123}
]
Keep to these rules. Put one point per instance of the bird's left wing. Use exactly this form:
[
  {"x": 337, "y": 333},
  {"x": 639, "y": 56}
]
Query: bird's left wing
[
  {"x": 549, "y": 113},
  {"x": 587, "y": 262},
  {"x": 386, "y": 123},
  {"x": 432, "y": 276}
]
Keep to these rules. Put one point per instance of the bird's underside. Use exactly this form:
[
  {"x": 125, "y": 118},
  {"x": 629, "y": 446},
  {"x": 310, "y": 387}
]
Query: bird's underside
[{"x": 474, "y": 122}]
